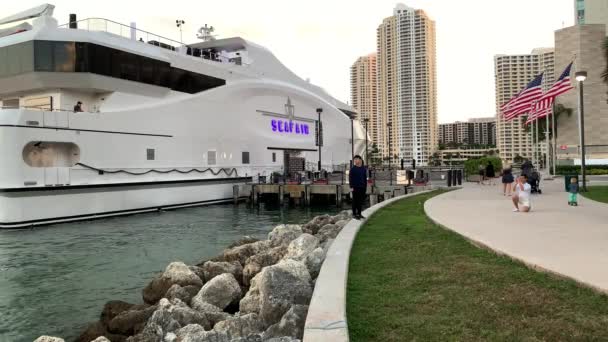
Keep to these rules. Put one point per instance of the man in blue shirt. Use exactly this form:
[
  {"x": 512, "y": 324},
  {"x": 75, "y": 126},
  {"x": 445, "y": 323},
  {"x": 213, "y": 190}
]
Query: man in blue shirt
[{"x": 358, "y": 186}]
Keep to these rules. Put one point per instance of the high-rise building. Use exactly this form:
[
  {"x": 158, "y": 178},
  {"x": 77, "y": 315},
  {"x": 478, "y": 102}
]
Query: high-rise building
[
  {"x": 479, "y": 131},
  {"x": 363, "y": 93},
  {"x": 591, "y": 12},
  {"x": 583, "y": 44},
  {"x": 512, "y": 74},
  {"x": 407, "y": 85}
]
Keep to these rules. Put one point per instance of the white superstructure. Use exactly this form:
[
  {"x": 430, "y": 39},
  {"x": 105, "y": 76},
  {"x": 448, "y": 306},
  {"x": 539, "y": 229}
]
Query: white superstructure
[{"x": 163, "y": 124}]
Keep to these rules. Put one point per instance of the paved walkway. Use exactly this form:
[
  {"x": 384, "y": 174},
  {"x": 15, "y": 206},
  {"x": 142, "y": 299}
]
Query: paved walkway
[{"x": 570, "y": 241}]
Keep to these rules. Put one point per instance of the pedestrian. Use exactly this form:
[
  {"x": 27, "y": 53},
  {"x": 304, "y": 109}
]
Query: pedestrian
[
  {"x": 78, "y": 107},
  {"x": 573, "y": 192},
  {"x": 358, "y": 185},
  {"x": 490, "y": 173},
  {"x": 507, "y": 181},
  {"x": 482, "y": 174},
  {"x": 521, "y": 198}
]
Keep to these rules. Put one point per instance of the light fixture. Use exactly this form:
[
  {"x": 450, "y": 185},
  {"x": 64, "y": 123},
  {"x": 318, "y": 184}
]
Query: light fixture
[{"x": 581, "y": 76}]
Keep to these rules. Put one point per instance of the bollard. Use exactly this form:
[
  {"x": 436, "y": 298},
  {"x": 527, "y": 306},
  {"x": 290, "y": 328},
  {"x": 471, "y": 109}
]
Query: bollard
[
  {"x": 459, "y": 177},
  {"x": 454, "y": 177},
  {"x": 449, "y": 178}
]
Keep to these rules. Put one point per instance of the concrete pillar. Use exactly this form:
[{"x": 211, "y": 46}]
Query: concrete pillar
[
  {"x": 307, "y": 195},
  {"x": 373, "y": 199},
  {"x": 387, "y": 195},
  {"x": 338, "y": 195},
  {"x": 281, "y": 194},
  {"x": 235, "y": 194},
  {"x": 254, "y": 195}
]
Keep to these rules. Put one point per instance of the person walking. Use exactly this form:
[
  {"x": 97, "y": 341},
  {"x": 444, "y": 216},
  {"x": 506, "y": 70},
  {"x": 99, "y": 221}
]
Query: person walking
[
  {"x": 482, "y": 174},
  {"x": 507, "y": 181},
  {"x": 573, "y": 192},
  {"x": 357, "y": 179},
  {"x": 490, "y": 174}
]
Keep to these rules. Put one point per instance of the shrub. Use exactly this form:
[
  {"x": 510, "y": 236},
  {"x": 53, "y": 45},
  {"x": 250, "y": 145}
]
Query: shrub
[
  {"x": 471, "y": 166},
  {"x": 576, "y": 169}
]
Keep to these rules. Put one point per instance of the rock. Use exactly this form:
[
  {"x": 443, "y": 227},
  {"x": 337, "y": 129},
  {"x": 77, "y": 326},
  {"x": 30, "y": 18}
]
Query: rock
[
  {"x": 291, "y": 324},
  {"x": 131, "y": 321},
  {"x": 170, "y": 337},
  {"x": 243, "y": 241},
  {"x": 190, "y": 333},
  {"x": 255, "y": 263},
  {"x": 342, "y": 223},
  {"x": 283, "y": 234},
  {"x": 45, "y": 338},
  {"x": 220, "y": 291},
  {"x": 101, "y": 339},
  {"x": 299, "y": 248},
  {"x": 175, "y": 273},
  {"x": 212, "y": 312},
  {"x": 185, "y": 294},
  {"x": 198, "y": 271},
  {"x": 171, "y": 316},
  {"x": 275, "y": 289},
  {"x": 151, "y": 333},
  {"x": 241, "y": 253},
  {"x": 329, "y": 231},
  {"x": 112, "y": 308},
  {"x": 314, "y": 261},
  {"x": 283, "y": 339},
  {"x": 212, "y": 269},
  {"x": 239, "y": 327},
  {"x": 326, "y": 244},
  {"x": 98, "y": 329}
]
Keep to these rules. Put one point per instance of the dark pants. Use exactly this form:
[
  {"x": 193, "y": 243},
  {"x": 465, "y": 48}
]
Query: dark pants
[{"x": 358, "y": 200}]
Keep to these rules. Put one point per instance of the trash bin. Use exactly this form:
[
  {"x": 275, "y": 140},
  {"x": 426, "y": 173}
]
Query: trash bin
[{"x": 567, "y": 179}]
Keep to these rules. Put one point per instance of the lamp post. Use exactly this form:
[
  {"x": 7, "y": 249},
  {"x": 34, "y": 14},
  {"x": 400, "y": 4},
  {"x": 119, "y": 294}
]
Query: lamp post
[
  {"x": 581, "y": 76},
  {"x": 179, "y": 24},
  {"x": 319, "y": 137},
  {"x": 352, "y": 140},
  {"x": 390, "y": 151},
  {"x": 366, "y": 121}
]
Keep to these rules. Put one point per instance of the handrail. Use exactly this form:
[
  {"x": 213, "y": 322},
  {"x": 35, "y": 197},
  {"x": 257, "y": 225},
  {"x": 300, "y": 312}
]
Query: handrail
[
  {"x": 228, "y": 172},
  {"x": 158, "y": 42}
]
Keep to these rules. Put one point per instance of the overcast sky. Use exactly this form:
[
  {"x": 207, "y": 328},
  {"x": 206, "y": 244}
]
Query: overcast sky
[{"x": 320, "y": 39}]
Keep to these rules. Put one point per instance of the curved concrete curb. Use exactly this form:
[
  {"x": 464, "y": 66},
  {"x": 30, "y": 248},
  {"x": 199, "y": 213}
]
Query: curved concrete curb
[
  {"x": 326, "y": 320},
  {"x": 531, "y": 265}
]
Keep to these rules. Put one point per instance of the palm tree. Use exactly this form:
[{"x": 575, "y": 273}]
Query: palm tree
[{"x": 605, "y": 73}]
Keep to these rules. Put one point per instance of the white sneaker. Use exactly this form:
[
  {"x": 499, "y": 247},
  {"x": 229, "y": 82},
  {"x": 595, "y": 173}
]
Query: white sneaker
[{"x": 515, "y": 210}]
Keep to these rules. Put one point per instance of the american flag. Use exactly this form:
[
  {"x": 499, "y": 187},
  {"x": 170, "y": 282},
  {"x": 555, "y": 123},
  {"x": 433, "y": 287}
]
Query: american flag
[
  {"x": 543, "y": 107},
  {"x": 523, "y": 102}
]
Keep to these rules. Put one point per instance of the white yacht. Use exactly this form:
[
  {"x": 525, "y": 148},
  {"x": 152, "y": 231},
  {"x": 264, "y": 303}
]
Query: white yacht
[{"x": 161, "y": 124}]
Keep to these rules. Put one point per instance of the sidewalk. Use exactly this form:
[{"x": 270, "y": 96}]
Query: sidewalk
[{"x": 570, "y": 241}]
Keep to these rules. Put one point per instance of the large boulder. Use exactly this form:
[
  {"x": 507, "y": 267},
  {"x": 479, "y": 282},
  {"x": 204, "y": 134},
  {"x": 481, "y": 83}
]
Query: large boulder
[
  {"x": 314, "y": 261},
  {"x": 255, "y": 263},
  {"x": 112, "y": 309},
  {"x": 275, "y": 289},
  {"x": 241, "y": 253},
  {"x": 198, "y": 270},
  {"x": 283, "y": 234},
  {"x": 101, "y": 339},
  {"x": 151, "y": 333},
  {"x": 131, "y": 321},
  {"x": 299, "y": 248},
  {"x": 342, "y": 223},
  {"x": 328, "y": 231},
  {"x": 213, "y": 269},
  {"x": 97, "y": 329},
  {"x": 243, "y": 241},
  {"x": 221, "y": 291},
  {"x": 185, "y": 293},
  {"x": 175, "y": 273},
  {"x": 190, "y": 333},
  {"x": 283, "y": 339},
  {"x": 239, "y": 327},
  {"x": 45, "y": 338},
  {"x": 291, "y": 324},
  {"x": 171, "y": 316}
]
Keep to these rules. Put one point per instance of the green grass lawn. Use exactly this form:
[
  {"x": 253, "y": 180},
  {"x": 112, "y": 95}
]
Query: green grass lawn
[
  {"x": 412, "y": 280},
  {"x": 597, "y": 193}
]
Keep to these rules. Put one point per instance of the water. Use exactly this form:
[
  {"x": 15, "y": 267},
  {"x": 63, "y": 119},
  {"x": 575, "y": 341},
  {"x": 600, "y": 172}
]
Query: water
[{"x": 55, "y": 280}]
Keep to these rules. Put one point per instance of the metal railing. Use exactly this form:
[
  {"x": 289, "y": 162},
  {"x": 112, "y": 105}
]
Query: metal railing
[{"x": 133, "y": 33}]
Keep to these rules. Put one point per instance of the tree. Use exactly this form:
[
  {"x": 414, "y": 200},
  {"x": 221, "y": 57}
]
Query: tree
[
  {"x": 518, "y": 159},
  {"x": 435, "y": 159},
  {"x": 605, "y": 73}
]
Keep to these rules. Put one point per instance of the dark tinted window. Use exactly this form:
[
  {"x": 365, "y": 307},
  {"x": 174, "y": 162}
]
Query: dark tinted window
[
  {"x": 52, "y": 56},
  {"x": 245, "y": 157}
]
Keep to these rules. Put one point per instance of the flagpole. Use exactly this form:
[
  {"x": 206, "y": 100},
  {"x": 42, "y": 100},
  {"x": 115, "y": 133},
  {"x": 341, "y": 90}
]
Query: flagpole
[{"x": 553, "y": 136}]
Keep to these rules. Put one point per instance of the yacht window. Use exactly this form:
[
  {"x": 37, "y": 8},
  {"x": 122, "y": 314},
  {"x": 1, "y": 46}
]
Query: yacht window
[
  {"x": 150, "y": 154},
  {"x": 274, "y": 157},
  {"x": 51, "y": 154},
  {"x": 245, "y": 157},
  {"x": 211, "y": 157},
  {"x": 10, "y": 103}
]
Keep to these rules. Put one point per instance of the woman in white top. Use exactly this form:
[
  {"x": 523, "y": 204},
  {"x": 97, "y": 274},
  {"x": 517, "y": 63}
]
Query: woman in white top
[{"x": 521, "y": 198}]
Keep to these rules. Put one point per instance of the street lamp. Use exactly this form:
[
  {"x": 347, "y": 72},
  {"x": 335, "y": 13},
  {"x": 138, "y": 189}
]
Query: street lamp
[
  {"x": 366, "y": 121},
  {"x": 390, "y": 151},
  {"x": 581, "y": 76},
  {"x": 179, "y": 23},
  {"x": 352, "y": 140},
  {"x": 319, "y": 137}
]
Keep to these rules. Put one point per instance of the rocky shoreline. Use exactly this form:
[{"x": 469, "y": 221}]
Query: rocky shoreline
[{"x": 255, "y": 290}]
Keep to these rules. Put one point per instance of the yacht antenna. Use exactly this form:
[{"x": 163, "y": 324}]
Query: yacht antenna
[{"x": 205, "y": 33}]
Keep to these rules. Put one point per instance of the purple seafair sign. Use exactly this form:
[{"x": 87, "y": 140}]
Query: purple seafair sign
[{"x": 284, "y": 126}]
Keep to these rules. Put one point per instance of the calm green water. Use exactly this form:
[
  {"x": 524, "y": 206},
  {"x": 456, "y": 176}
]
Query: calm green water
[{"x": 55, "y": 280}]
